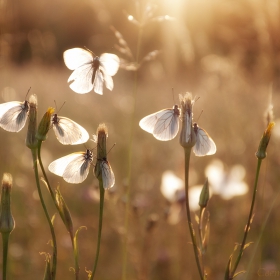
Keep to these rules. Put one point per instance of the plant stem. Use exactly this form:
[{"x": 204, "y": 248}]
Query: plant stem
[
  {"x": 45, "y": 175},
  {"x": 54, "y": 258},
  {"x": 101, "y": 206},
  {"x": 77, "y": 268},
  {"x": 131, "y": 137},
  {"x": 248, "y": 222},
  {"x": 5, "y": 239},
  {"x": 196, "y": 252}
]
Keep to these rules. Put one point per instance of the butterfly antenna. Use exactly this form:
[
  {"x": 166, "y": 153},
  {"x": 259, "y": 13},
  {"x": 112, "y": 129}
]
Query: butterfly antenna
[
  {"x": 27, "y": 93},
  {"x": 112, "y": 148},
  {"x": 199, "y": 115},
  {"x": 60, "y": 106},
  {"x": 89, "y": 50}
]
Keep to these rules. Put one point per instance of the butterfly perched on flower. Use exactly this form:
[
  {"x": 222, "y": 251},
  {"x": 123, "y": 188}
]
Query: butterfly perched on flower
[
  {"x": 204, "y": 144},
  {"x": 67, "y": 131},
  {"x": 90, "y": 71},
  {"x": 73, "y": 168},
  {"x": 164, "y": 124}
]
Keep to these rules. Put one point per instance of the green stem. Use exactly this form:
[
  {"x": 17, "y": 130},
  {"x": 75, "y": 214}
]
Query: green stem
[
  {"x": 54, "y": 258},
  {"x": 101, "y": 206},
  {"x": 5, "y": 239},
  {"x": 248, "y": 222},
  {"x": 261, "y": 235},
  {"x": 200, "y": 233},
  {"x": 127, "y": 207},
  {"x": 77, "y": 267},
  {"x": 196, "y": 252},
  {"x": 45, "y": 175}
]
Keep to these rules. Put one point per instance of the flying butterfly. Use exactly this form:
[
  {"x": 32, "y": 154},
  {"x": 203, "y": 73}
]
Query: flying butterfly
[
  {"x": 108, "y": 177},
  {"x": 73, "y": 168},
  {"x": 67, "y": 131},
  {"x": 13, "y": 115},
  {"x": 164, "y": 124},
  {"x": 204, "y": 143},
  {"x": 90, "y": 71}
]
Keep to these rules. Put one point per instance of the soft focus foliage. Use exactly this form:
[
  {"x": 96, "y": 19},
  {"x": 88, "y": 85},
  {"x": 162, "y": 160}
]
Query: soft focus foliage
[{"x": 225, "y": 52}]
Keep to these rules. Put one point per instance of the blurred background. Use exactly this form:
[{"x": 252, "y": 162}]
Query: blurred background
[{"x": 227, "y": 53}]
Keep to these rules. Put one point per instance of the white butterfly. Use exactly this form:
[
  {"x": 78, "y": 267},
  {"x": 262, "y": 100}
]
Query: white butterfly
[
  {"x": 13, "y": 115},
  {"x": 73, "y": 168},
  {"x": 90, "y": 71},
  {"x": 164, "y": 124},
  {"x": 68, "y": 132},
  {"x": 204, "y": 143},
  {"x": 108, "y": 177}
]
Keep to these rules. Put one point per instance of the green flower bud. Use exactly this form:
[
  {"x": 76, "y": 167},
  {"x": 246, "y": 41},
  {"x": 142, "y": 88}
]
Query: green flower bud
[
  {"x": 64, "y": 212},
  {"x": 102, "y": 134},
  {"x": 44, "y": 125},
  {"x": 187, "y": 136},
  {"x": 31, "y": 141},
  {"x": 7, "y": 223},
  {"x": 261, "y": 152},
  {"x": 204, "y": 195}
]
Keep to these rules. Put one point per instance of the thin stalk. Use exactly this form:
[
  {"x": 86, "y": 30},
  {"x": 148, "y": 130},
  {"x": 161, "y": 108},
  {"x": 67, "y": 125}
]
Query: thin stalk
[
  {"x": 45, "y": 175},
  {"x": 5, "y": 239},
  {"x": 101, "y": 206},
  {"x": 77, "y": 267},
  {"x": 200, "y": 233},
  {"x": 54, "y": 257},
  {"x": 248, "y": 222},
  {"x": 261, "y": 234},
  {"x": 196, "y": 252},
  {"x": 131, "y": 137}
]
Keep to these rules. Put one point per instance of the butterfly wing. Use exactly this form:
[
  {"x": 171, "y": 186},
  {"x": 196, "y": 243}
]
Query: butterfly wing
[
  {"x": 98, "y": 82},
  {"x": 108, "y": 81},
  {"x": 149, "y": 122},
  {"x": 204, "y": 143},
  {"x": 77, "y": 170},
  {"x": 58, "y": 166},
  {"x": 13, "y": 115},
  {"x": 167, "y": 126},
  {"x": 81, "y": 79},
  {"x": 76, "y": 57},
  {"x": 108, "y": 176},
  {"x": 110, "y": 62},
  {"x": 69, "y": 132}
]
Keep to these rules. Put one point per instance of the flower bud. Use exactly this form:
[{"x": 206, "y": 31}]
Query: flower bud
[
  {"x": 31, "y": 141},
  {"x": 7, "y": 223},
  {"x": 187, "y": 136},
  {"x": 44, "y": 125},
  {"x": 204, "y": 195},
  {"x": 102, "y": 134},
  {"x": 261, "y": 152},
  {"x": 64, "y": 212}
]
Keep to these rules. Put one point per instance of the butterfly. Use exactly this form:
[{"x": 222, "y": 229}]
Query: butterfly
[
  {"x": 13, "y": 115},
  {"x": 108, "y": 177},
  {"x": 204, "y": 143},
  {"x": 164, "y": 124},
  {"x": 67, "y": 131},
  {"x": 90, "y": 71},
  {"x": 73, "y": 168}
]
